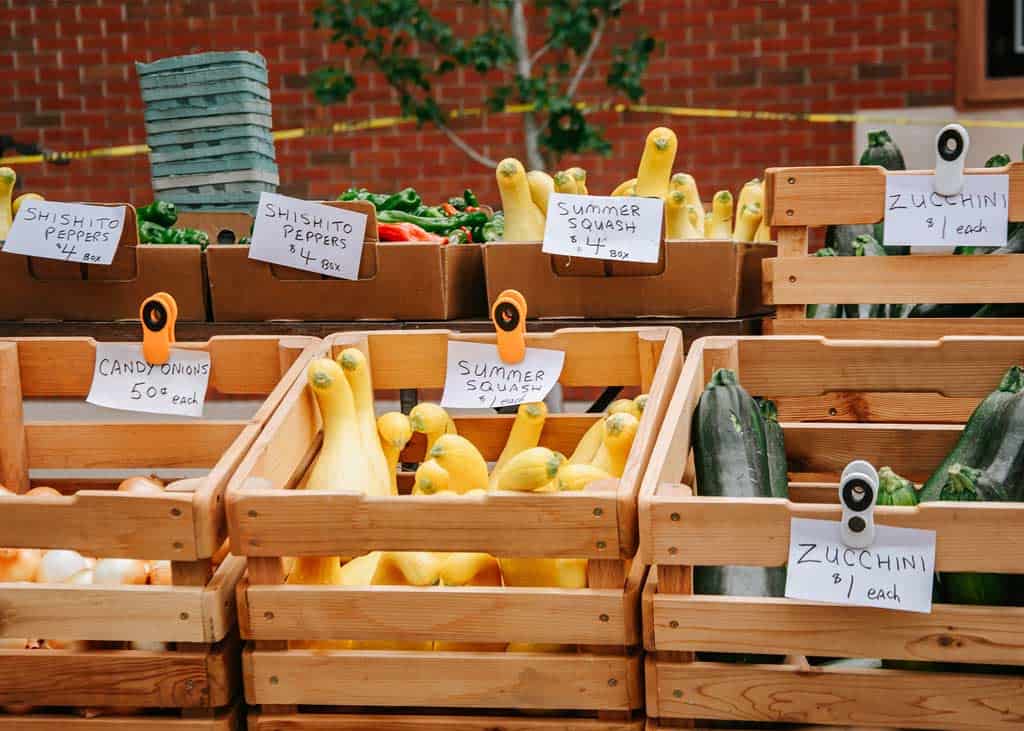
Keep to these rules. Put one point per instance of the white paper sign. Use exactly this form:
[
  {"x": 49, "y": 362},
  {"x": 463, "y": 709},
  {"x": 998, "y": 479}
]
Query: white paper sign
[
  {"x": 477, "y": 377},
  {"x": 66, "y": 231},
  {"x": 604, "y": 227},
  {"x": 309, "y": 236},
  {"x": 122, "y": 379},
  {"x": 915, "y": 215},
  {"x": 894, "y": 573}
]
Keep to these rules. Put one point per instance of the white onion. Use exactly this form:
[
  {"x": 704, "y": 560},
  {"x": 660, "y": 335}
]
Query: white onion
[
  {"x": 75, "y": 645},
  {"x": 59, "y": 566},
  {"x": 119, "y": 571},
  {"x": 43, "y": 492},
  {"x": 141, "y": 486},
  {"x": 148, "y": 646},
  {"x": 5, "y": 491},
  {"x": 160, "y": 573},
  {"x": 12, "y": 643},
  {"x": 188, "y": 484},
  {"x": 82, "y": 578},
  {"x": 19, "y": 564},
  {"x": 18, "y": 710}
]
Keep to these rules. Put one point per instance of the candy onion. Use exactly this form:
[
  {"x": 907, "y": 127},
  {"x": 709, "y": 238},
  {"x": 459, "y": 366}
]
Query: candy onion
[
  {"x": 58, "y": 566},
  {"x": 42, "y": 492},
  {"x": 141, "y": 486},
  {"x": 19, "y": 564},
  {"x": 160, "y": 573},
  {"x": 119, "y": 572}
]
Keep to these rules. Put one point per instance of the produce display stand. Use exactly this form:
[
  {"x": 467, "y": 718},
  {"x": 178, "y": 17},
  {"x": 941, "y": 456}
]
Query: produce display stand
[
  {"x": 35, "y": 288},
  {"x": 397, "y": 281},
  {"x": 598, "y": 688},
  {"x": 195, "y": 681},
  {"x": 891, "y": 403},
  {"x": 692, "y": 279},
  {"x": 803, "y": 197}
]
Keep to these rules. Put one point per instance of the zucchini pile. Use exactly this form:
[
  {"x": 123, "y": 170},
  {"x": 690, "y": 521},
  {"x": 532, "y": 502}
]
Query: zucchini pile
[{"x": 864, "y": 240}]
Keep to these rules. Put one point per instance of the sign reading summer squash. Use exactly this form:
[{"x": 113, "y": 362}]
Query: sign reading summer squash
[
  {"x": 308, "y": 236},
  {"x": 477, "y": 377},
  {"x": 616, "y": 228}
]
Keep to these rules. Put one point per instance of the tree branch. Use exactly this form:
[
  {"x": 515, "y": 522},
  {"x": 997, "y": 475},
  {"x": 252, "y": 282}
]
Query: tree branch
[
  {"x": 472, "y": 153},
  {"x": 539, "y": 54},
  {"x": 531, "y": 132},
  {"x": 588, "y": 57}
]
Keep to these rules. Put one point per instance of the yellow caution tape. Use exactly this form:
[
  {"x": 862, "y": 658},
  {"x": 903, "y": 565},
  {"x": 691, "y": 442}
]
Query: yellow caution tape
[{"x": 693, "y": 112}]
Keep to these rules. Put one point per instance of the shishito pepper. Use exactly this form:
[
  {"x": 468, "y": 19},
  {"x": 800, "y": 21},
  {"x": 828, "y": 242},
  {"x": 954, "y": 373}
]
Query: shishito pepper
[
  {"x": 173, "y": 236},
  {"x": 163, "y": 213},
  {"x": 494, "y": 230},
  {"x": 442, "y": 226},
  {"x": 362, "y": 194},
  {"x": 151, "y": 233},
  {"x": 196, "y": 237},
  {"x": 405, "y": 200}
]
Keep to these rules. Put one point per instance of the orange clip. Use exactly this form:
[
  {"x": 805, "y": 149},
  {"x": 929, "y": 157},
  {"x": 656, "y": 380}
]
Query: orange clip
[
  {"x": 159, "y": 314},
  {"x": 509, "y": 317}
]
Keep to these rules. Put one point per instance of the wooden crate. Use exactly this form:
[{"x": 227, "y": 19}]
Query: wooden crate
[
  {"x": 267, "y": 523},
  {"x": 200, "y": 673},
  {"x": 893, "y": 403},
  {"x": 805, "y": 197}
]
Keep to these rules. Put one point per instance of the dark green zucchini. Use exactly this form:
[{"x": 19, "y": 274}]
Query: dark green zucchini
[
  {"x": 866, "y": 245},
  {"x": 981, "y": 435},
  {"x": 777, "y": 467},
  {"x": 881, "y": 150},
  {"x": 944, "y": 310},
  {"x": 998, "y": 161},
  {"x": 840, "y": 238},
  {"x": 824, "y": 311},
  {"x": 1002, "y": 309},
  {"x": 895, "y": 490},
  {"x": 1002, "y": 474},
  {"x": 731, "y": 459},
  {"x": 963, "y": 587}
]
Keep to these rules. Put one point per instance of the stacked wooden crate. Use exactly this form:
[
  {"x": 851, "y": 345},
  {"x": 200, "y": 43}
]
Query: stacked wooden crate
[{"x": 208, "y": 125}]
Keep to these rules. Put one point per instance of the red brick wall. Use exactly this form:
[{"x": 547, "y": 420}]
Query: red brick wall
[{"x": 70, "y": 83}]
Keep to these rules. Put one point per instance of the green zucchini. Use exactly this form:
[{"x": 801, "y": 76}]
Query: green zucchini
[
  {"x": 981, "y": 435},
  {"x": 1002, "y": 309},
  {"x": 824, "y": 311},
  {"x": 944, "y": 310},
  {"x": 866, "y": 245},
  {"x": 840, "y": 238},
  {"x": 881, "y": 150},
  {"x": 998, "y": 161},
  {"x": 731, "y": 460},
  {"x": 895, "y": 490},
  {"x": 1002, "y": 474},
  {"x": 963, "y": 587},
  {"x": 776, "y": 446}
]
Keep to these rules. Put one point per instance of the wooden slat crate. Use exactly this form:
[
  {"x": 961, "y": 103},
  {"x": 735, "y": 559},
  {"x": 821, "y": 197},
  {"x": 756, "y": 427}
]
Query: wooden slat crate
[
  {"x": 837, "y": 401},
  {"x": 268, "y": 521},
  {"x": 801, "y": 198},
  {"x": 195, "y": 681}
]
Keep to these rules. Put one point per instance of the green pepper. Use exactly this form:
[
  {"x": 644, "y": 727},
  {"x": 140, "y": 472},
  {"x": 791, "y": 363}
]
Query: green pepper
[
  {"x": 151, "y": 233},
  {"x": 244, "y": 241},
  {"x": 442, "y": 226},
  {"x": 161, "y": 212},
  {"x": 430, "y": 212},
  {"x": 407, "y": 200},
  {"x": 494, "y": 230},
  {"x": 458, "y": 203},
  {"x": 173, "y": 236},
  {"x": 195, "y": 237},
  {"x": 362, "y": 194},
  {"x": 459, "y": 236},
  {"x": 470, "y": 198}
]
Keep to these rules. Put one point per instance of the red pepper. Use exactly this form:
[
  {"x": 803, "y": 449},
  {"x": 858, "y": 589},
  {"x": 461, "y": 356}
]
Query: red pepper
[
  {"x": 449, "y": 209},
  {"x": 472, "y": 209},
  {"x": 469, "y": 234},
  {"x": 406, "y": 232}
]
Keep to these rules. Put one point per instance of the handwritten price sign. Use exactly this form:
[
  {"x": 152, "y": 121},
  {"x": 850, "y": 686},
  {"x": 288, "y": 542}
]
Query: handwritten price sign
[
  {"x": 916, "y": 215},
  {"x": 308, "y": 236},
  {"x": 477, "y": 378},
  {"x": 604, "y": 227},
  {"x": 66, "y": 231},
  {"x": 122, "y": 379}
]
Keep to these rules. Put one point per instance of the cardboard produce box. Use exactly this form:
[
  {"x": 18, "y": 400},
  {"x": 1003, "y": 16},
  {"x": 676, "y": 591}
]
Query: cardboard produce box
[
  {"x": 47, "y": 289},
  {"x": 397, "y": 281},
  {"x": 692, "y": 279}
]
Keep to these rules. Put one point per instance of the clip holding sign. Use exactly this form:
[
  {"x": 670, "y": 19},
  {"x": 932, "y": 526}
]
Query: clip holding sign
[
  {"x": 951, "y": 146},
  {"x": 509, "y": 317},
  {"x": 858, "y": 494},
  {"x": 159, "y": 314}
]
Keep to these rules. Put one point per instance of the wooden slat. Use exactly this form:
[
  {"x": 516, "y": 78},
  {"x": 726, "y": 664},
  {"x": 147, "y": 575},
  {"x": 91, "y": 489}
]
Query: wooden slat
[
  {"x": 893, "y": 698},
  {"x": 259, "y": 721},
  {"x": 13, "y": 447},
  {"x": 918, "y": 328},
  {"x": 593, "y": 357},
  {"x": 893, "y": 279},
  {"x": 222, "y": 720},
  {"x": 953, "y": 366},
  {"x": 128, "y": 445},
  {"x": 859, "y": 406},
  {"x": 457, "y": 614},
  {"x": 444, "y": 679},
  {"x": 951, "y": 633},
  {"x": 103, "y": 523},
  {"x": 488, "y": 433},
  {"x": 219, "y": 600},
  {"x": 290, "y": 523},
  {"x": 755, "y": 532},
  {"x": 910, "y": 449},
  {"x": 88, "y": 612},
  {"x": 818, "y": 196},
  {"x": 108, "y": 678}
]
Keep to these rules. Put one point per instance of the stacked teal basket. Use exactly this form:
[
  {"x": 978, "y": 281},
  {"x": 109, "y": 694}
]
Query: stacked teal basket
[{"x": 208, "y": 126}]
